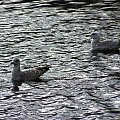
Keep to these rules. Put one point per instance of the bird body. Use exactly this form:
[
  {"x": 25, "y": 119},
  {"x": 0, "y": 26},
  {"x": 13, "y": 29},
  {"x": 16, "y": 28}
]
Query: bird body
[
  {"x": 106, "y": 45},
  {"x": 18, "y": 76},
  {"x": 33, "y": 74}
]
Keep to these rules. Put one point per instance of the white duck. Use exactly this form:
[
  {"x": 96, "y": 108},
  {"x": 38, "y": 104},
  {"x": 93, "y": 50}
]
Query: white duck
[{"x": 106, "y": 45}]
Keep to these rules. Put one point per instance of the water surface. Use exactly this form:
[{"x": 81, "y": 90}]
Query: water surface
[{"x": 80, "y": 85}]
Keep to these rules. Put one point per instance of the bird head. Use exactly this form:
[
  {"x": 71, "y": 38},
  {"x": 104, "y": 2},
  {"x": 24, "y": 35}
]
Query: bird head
[
  {"x": 96, "y": 35},
  {"x": 15, "y": 61}
]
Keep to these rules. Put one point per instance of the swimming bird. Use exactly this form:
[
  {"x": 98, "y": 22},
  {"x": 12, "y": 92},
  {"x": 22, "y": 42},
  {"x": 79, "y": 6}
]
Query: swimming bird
[
  {"x": 106, "y": 45},
  {"x": 18, "y": 76}
]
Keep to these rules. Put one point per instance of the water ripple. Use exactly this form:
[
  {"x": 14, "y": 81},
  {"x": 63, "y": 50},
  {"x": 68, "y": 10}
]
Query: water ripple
[{"x": 80, "y": 85}]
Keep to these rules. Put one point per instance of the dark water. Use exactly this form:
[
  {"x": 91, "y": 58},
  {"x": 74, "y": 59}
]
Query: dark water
[{"x": 80, "y": 85}]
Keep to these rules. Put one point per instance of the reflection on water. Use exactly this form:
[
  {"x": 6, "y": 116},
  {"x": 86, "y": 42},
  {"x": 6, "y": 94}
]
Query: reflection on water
[{"x": 80, "y": 85}]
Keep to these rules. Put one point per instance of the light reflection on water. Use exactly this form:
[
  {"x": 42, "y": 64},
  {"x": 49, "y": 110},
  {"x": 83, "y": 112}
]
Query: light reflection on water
[{"x": 79, "y": 85}]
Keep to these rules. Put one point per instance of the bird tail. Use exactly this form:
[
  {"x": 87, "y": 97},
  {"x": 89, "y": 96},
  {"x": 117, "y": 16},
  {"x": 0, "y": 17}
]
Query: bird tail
[
  {"x": 46, "y": 67},
  {"x": 43, "y": 68}
]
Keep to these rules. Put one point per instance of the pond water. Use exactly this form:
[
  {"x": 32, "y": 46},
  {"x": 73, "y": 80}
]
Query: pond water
[{"x": 79, "y": 85}]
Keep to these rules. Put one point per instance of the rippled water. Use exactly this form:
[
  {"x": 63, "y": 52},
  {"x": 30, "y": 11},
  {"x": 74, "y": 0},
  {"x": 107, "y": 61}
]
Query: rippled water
[{"x": 80, "y": 85}]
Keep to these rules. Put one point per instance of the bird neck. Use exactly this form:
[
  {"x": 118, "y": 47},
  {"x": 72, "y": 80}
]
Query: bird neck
[
  {"x": 96, "y": 40},
  {"x": 16, "y": 69}
]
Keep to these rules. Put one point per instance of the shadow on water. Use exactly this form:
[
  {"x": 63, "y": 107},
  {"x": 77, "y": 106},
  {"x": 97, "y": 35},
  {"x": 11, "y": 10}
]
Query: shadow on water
[{"x": 81, "y": 84}]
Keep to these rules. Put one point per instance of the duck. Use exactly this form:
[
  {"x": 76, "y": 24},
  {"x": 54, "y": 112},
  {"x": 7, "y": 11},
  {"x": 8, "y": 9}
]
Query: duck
[
  {"x": 104, "y": 45},
  {"x": 18, "y": 76}
]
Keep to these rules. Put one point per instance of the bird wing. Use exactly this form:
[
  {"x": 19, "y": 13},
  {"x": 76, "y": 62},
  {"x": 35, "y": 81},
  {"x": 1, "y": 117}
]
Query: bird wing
[
  {"x": 33, "y": 74},
  {"x": 29, "y": 75},
  {"x": 108, "y": 45}
]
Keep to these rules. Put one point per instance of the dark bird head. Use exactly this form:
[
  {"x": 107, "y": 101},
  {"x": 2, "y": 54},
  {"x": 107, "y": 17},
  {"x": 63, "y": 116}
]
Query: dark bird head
[{"x": 15, "y": 61}]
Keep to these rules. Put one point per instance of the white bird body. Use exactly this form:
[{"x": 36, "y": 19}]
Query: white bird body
[
  {"x": 98, "y": 45},
  {"x": 18, "y": 76}
]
